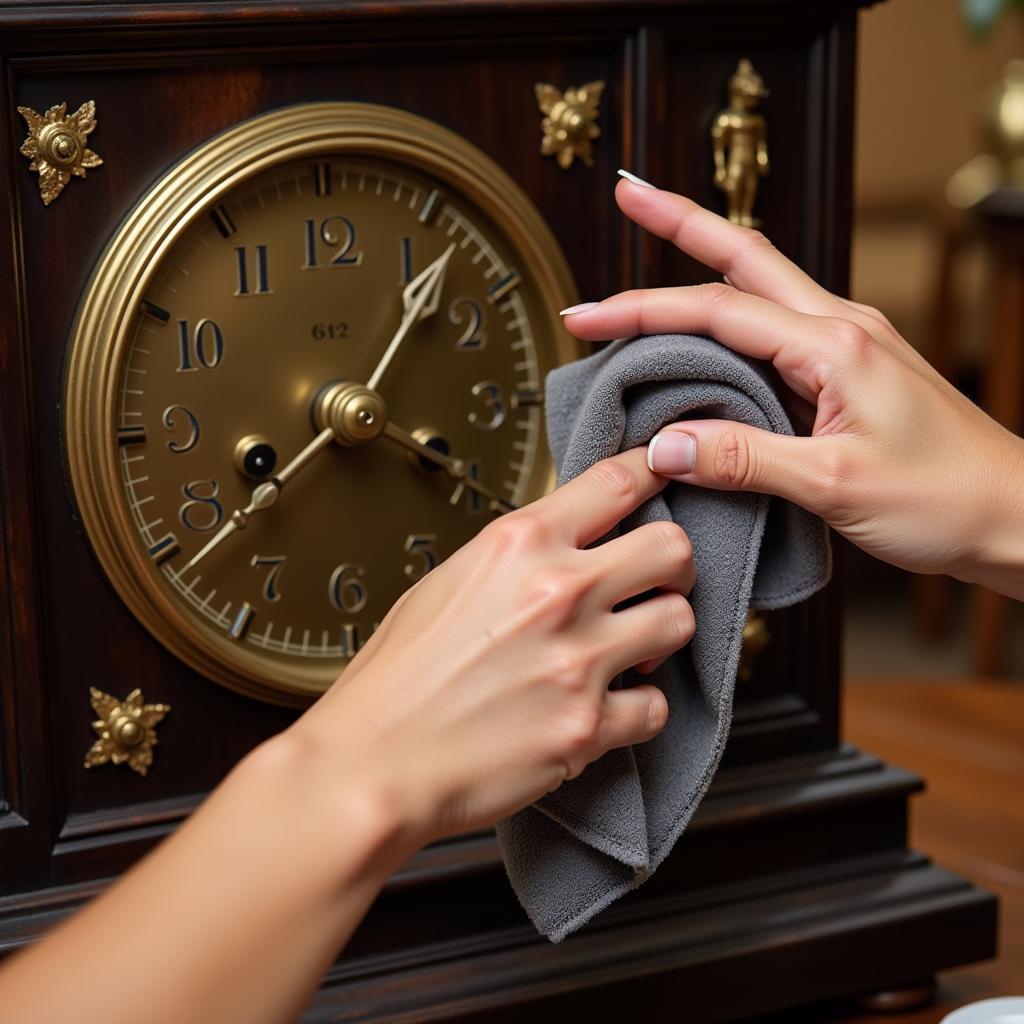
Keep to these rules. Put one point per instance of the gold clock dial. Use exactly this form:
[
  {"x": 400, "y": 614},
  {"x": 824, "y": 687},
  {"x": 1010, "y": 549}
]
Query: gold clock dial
[{"x": 311, "y": 389}]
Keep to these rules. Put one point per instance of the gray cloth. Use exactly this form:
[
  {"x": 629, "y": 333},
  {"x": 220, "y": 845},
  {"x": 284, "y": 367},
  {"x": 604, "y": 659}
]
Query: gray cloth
[{"x": 603, "y": 833}]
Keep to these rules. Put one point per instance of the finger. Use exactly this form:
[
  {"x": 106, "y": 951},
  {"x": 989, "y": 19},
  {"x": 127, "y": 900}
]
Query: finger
[
  {"x": 632, "y": 715},
  {"x": 653, "y": 628},
  {"x": 743, "y": 255},
  {"x": 730, "y": 456},
  {"x": 747, "y": 260},
  {"x": 653, "y": 555},
  {"x": 798, "y": 345},
  {"x": 587, "y": 507}
]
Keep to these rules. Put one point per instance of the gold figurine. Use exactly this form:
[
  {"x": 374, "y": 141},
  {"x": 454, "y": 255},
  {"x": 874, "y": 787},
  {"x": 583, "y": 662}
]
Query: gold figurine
[{"x": 740, "y": 146}]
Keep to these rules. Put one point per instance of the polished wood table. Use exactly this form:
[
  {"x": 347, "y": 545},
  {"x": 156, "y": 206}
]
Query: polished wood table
[{"x": 967, "y": 739}]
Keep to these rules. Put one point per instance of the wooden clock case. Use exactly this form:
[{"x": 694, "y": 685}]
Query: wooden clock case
[{"x": 794, "y": 881}]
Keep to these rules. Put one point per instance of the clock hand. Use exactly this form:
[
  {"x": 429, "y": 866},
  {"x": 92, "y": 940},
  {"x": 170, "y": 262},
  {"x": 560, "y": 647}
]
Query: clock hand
[
  {"x": 264, "y": 495},
  {"x": 420, "y": 298},
  {"x": 454, "y": 467}
]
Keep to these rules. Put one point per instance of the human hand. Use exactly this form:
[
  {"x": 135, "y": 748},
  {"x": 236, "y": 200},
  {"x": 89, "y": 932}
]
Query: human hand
[
  {"x": 899, "y": 461},
  {"x": 487, "y": 683}
]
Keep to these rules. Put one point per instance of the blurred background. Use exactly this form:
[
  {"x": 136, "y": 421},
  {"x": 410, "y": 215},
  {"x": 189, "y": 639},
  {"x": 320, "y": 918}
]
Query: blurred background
[
  {"x": 927, "y": 73},
  {"x": 935, "y": 669}
]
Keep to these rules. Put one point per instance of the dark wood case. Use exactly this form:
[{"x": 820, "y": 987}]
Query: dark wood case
[{"x": 794, "y": 881}]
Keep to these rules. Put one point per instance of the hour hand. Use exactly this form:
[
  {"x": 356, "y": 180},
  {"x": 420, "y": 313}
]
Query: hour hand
[{"x": 454, "y": 467}]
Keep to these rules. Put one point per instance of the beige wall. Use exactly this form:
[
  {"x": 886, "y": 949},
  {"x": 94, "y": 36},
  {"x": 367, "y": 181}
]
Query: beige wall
[{"x": 921, "y": 77}]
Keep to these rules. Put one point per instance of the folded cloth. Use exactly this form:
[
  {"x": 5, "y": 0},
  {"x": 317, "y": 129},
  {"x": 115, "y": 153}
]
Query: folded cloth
[{"x": 605, "y": 832}]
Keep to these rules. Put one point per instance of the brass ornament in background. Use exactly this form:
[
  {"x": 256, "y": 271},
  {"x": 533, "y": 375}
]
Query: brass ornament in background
[
  {"x": 126, "y": 730},
  {"x": 755, "y": 640},
  {"x": 56, "y": 145},
  {"x": 739, "y": 144},
  {"x": 570, "y": 122},
  {"x": 1001, "y": 166}
]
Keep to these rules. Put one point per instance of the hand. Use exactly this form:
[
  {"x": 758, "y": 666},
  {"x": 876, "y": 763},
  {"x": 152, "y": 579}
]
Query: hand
[
  {"x": 487, "y": 683},
  {"x": 420, "y": 299},
  {"x": 899, "y": 461}
]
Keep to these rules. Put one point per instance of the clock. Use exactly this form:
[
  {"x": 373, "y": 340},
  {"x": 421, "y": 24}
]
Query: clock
[{"x": 307, "y": 368}]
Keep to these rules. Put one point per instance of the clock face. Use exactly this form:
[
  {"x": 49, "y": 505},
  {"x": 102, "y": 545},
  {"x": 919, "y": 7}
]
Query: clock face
[{"x": 329, "y": 380}]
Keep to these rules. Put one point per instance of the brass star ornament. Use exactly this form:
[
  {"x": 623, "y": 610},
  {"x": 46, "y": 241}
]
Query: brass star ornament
[
  {"x": 56, "y": 145},
  {"x": 570, "y": 122},
  {"x": 126, "y": 730}
]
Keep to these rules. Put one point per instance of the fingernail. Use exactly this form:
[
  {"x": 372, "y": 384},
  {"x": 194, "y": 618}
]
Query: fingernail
[
  {"x": 629, "y": 176},
  {"x": 580, "y": 307},
  {"x": 671, "y": 452}
]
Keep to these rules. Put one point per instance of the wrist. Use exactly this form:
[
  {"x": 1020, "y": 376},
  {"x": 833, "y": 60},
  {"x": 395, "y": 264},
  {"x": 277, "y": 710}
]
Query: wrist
[
  {"x": 1000, "y": 559},
  {"x": 338, "y": 800}
]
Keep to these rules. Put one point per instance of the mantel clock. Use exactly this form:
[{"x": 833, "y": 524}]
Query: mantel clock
[{"x": 279, "y": 288}]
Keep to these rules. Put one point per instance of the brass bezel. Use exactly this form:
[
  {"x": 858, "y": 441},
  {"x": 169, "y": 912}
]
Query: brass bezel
[{"x": 110, "y": 303}]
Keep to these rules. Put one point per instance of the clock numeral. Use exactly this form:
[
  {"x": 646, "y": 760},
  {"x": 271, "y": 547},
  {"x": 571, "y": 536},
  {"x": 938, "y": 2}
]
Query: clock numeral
[
  {"x": 201, "y": 512},
  {"x": 466, "y": 313},
  {"x": 204, "y": 346},
  {"x": 421, "y": 545},
  {"x": 474, "y": 502},
  {"x": 275, "y": 566},
  {"x": 337, "y": 232},
  {"x": 346, "y": 589},
  {"x": 491, "y": 393},
  {"x": 262, "y": 283},
  {"x": 173, "y": 419}
]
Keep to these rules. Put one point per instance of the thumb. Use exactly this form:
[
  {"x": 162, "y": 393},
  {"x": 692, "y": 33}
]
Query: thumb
[{"x": 728, "y": 456}]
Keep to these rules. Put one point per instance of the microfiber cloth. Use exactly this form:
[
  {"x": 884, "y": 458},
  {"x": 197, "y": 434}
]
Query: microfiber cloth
[{"x": 597, "y": 836}]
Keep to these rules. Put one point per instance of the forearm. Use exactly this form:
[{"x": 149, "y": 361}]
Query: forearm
[{"x": 233, "y": 919}]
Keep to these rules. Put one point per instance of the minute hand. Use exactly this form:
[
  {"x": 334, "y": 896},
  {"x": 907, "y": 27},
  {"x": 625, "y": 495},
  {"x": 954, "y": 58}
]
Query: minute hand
[
  {"x": 420, "y": 297},
  {"x": 264, "y": 495}
]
